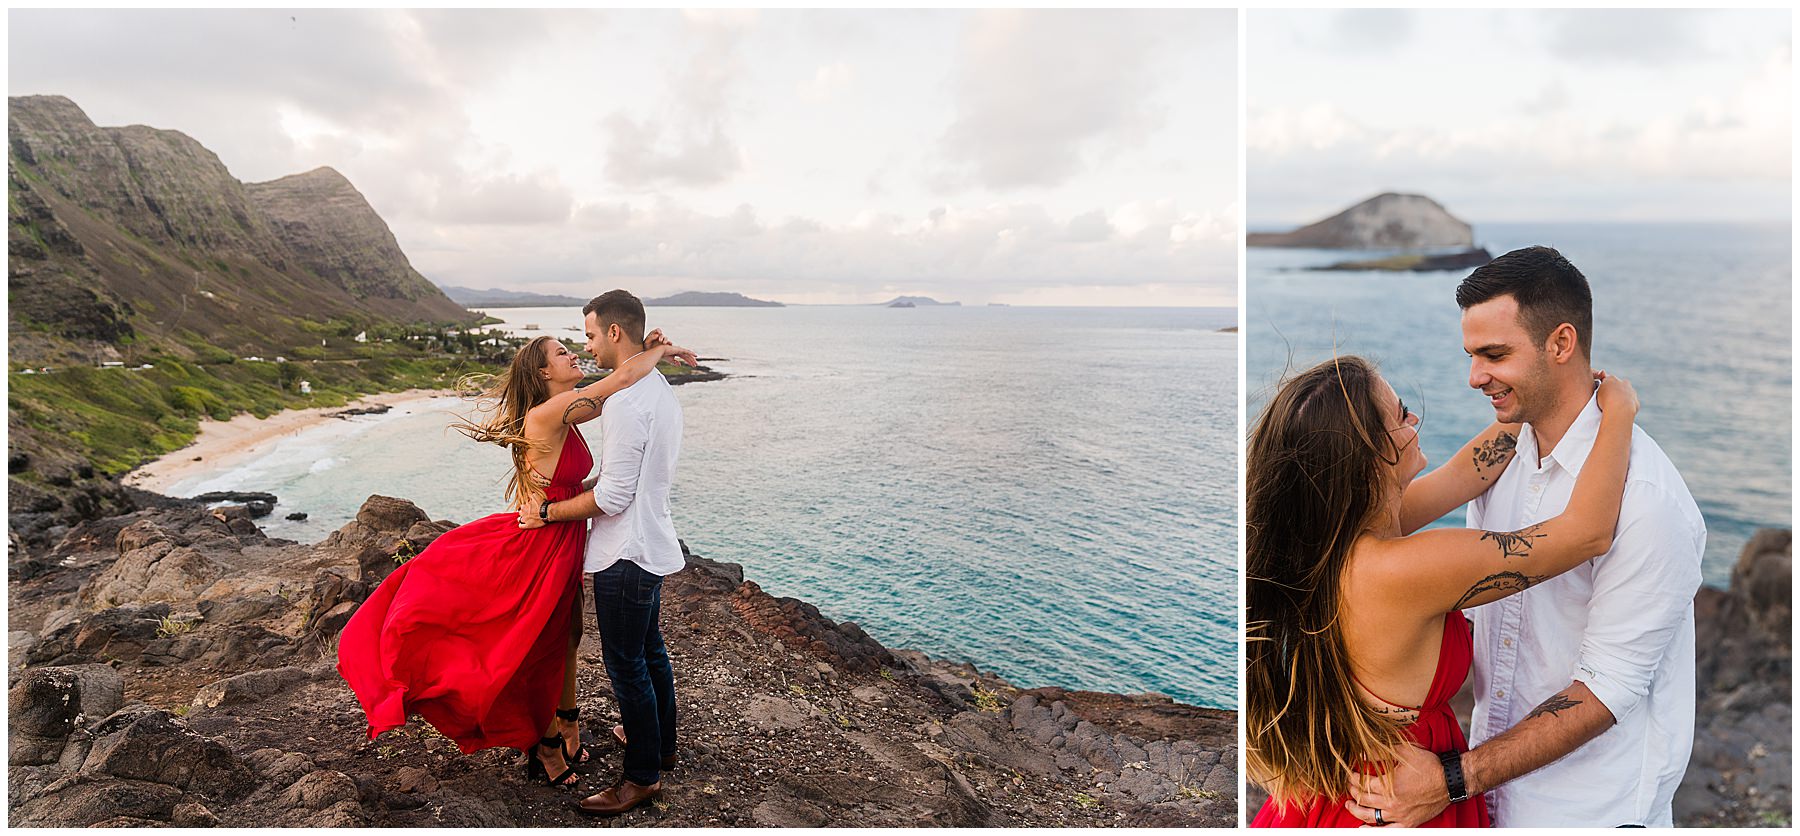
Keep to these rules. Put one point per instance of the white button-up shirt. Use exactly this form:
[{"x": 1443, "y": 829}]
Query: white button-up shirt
[
  {"x": 640, "y": 439},
  {"x": 1622, "y": 624}
]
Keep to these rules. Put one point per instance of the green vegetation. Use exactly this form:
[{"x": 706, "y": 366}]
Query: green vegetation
[
  {"x": 171, "y": 627},
  {"x": 985, "y": 700},
  {"x": 120, "y": 418}
]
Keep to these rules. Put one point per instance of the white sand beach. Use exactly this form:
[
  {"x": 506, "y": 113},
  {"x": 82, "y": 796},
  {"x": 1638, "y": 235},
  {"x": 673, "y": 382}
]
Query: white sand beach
[{"x": 222, "y": 445}]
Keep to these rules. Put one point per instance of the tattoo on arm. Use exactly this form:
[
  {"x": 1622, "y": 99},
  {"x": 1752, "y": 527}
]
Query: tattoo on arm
[
  {"x": 581, "y": 403},
  {"x": 1496, "y": 451},
  {"x": 1559, "y": 702},
  {"x": 1505, "y": 583},
  {"x": 1514, "y": 543}
]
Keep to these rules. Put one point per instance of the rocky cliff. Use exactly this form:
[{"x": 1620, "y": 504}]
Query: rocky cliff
[
  {"x": 1385, "y": 221},
  {"x": 175, "y": 666},
  {"x": 141, "y": 236},
  {"x": 336, "y": 235}
]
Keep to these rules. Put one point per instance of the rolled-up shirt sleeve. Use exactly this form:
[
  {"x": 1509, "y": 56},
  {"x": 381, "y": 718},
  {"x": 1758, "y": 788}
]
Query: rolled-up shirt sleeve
[
  {"x": 1643, "y": 593},
  {"x": 627, "y": 431}
]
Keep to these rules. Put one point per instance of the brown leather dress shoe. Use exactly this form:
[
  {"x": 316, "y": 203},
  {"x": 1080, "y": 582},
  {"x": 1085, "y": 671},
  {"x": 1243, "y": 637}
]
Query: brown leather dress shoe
[
  {"x": 618, "y": 798},
  {"x": 668, "y": 761}
]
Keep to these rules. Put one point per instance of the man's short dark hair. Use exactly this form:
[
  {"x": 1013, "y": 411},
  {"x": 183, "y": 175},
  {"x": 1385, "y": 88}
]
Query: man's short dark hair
[
  {"x": 618, "y": 307},
  {"x": 1548, "y": 289}
]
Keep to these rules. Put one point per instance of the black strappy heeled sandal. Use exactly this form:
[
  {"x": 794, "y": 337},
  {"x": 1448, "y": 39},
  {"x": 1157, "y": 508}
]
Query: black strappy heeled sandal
[
  {"x": 534, "y": 768},
  {"x": 581, "y": 754}
]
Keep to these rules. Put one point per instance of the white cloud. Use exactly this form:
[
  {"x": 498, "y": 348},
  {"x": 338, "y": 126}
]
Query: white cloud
[
  {"x": 1592, "y": 136},
  {"x": 1036, "y": 91},
  {"x": 798, "y": 155},
  {"x": 829, "y": 81}
]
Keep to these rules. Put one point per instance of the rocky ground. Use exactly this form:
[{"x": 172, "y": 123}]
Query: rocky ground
[
  {"x": 175, "y": 666},
  {"x": 1741, "y": 772}
]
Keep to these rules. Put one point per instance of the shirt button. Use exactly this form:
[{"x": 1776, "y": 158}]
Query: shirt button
[
  {"x": 1507, "y": 642},
  {"x": 1499, "y": 695}
]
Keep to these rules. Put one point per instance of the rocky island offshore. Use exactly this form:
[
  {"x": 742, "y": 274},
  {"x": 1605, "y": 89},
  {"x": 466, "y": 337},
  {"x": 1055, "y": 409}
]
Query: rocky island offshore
[
  {"x": 175, "y": 666},
  {"x": 1385, "y": 221}
]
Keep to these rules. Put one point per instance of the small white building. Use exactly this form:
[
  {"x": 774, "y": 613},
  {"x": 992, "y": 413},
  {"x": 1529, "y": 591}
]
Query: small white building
[
  {"x": 362, "y": 337},
  {"x": 305, "y": 387},
  {"x": 111, "y": 364}
]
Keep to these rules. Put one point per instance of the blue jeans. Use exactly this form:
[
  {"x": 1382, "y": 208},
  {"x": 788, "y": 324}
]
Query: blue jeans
[{"x": 628, "y": 606}]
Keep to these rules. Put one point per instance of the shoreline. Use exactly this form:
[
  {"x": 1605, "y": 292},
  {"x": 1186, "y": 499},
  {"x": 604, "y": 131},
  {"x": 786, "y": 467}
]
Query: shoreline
[{"x": 221, "y": 445}]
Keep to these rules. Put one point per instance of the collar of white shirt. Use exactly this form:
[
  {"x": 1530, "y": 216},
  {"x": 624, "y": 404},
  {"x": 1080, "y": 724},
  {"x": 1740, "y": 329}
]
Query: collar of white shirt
[{"x": 1572, "y": 451}]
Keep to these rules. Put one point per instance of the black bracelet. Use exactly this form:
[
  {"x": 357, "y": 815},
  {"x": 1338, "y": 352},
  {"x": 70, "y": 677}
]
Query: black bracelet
[
  {"x": 1453, "y": 776},
  {"x": 544, "y": 511}
]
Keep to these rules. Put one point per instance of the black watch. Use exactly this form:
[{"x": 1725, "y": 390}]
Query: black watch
[
  {"x": 1453, "y": 776},
  {"x": 544, "y": 511}
]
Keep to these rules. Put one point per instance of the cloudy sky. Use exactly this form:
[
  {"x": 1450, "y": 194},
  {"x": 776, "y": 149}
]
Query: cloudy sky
[
  {"x": 1528, "y": 115},
  {"x": 1032, "y": 158}
]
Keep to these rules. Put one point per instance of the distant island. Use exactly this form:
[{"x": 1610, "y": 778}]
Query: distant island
[
  {"x": 1468, "y": 259},
  {"x": 494, "y": 297},
  {"x": 703, "y": 299},
  {"x": 1385, "y": 221},
  {"x": 917, "y": 302}
]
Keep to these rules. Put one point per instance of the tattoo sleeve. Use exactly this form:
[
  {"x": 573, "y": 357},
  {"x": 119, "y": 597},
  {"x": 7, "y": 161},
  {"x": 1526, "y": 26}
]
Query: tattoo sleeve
[
  {"x": 570, "y": 414},
  {"x": 1559, "y": 702},
  {"x": 1515, "y": 543},
  {"x": 1505, "y": 583},
  {"x": 1495, "y": 452}
]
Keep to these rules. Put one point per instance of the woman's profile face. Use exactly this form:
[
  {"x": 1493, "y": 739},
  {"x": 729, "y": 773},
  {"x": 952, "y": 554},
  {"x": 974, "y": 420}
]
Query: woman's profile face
[
  {"x": 1403, "y": 428},
  {"x": 560, "y": 364}
]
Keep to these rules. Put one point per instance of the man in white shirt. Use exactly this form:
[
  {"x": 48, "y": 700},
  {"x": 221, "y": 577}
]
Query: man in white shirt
[
  {"x": 1584, "y": 685},
  {"x": 631, "y": 547}
]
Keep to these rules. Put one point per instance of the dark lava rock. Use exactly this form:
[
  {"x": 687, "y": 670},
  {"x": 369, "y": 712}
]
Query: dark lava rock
[
  {"x": 17, "y": 462},
  {"x": 1418, "y": 262},
  {"x": 249, "y": 687},
  {"x": 373, "y": 409},
  {"x": 236, "y": 496},
  {"x": 384, "y": 529},
  {"x": 1741, "y": 771},
  {"x": 297, "y": 515},
  {"x": 156, "y": 747},
  {"x": 47, "y": 704},
  {"x": 115, "y": 633},
  {"x": 787, "y": 716},
  {"x": 83, "y": 803}
]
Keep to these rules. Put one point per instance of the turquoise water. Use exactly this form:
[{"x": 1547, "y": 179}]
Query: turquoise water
[
  {"x": 1697, "y": 316},
  {"x": 1048, "y": 493}
]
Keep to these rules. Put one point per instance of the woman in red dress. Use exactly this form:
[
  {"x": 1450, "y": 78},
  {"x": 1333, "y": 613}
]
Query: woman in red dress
[
  {"x": 1356, "y": 638},
  {"x": 477, "y": 633}
]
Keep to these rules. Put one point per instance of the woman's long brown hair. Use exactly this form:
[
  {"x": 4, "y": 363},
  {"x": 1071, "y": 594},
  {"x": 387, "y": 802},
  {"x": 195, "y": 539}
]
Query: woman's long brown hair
[
  {"x": 508, "y": 396},
  {"x": 1314, "y": 481}
]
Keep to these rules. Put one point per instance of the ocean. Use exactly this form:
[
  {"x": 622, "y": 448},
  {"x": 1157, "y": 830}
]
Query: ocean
[
  {"x": 1697, "y": 316},
  {"x": 1047, "y": 493}
]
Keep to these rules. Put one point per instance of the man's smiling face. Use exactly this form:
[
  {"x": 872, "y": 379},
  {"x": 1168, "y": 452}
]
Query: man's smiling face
[{"x": 1505, "y": 363}]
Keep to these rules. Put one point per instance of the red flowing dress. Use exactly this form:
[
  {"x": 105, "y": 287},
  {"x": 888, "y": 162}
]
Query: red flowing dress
[
  {"x": 472, "y": 634},
  {"x": 1435, "y": 730}
]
